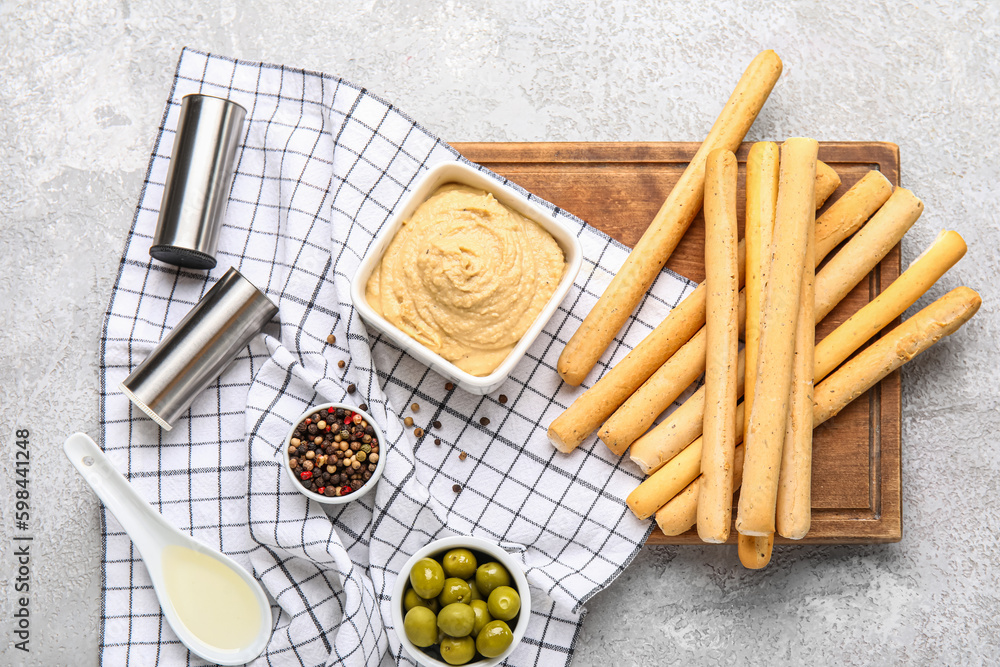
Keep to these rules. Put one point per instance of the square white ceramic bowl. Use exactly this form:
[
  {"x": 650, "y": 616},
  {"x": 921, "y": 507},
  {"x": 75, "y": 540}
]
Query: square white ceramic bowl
[{"x": 431, "y": 180}]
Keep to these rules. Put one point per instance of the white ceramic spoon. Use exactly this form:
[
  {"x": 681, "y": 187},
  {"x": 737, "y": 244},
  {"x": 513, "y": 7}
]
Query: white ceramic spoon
[{"x": 186, "y": 582}]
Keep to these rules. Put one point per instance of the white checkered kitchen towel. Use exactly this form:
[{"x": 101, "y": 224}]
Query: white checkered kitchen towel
[{"x": 321, "y": 167}]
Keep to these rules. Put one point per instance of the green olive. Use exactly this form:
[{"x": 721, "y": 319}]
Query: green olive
[
  {"x": 411, "y": 600},
  {"x": 455, "y": 590},
  {"x": 456, "y": 620},
  {"x": 482, "y": 615},
  {"x": 504, "y": 603},
  {"x": 490, "y": 575},
  {"x": 494, "y": 639},
  {"x": 427, "y": 578},
  {"x": 459, "y": 563},
  {"x": 420, "y": 626},
  {"x": 458, "y": 650},
  {"x": 476, "y": 595}
]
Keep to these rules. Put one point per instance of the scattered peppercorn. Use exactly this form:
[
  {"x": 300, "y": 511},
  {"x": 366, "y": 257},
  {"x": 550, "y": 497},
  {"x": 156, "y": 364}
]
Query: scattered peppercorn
[
  {"x": 351, "y": 389},
  {"x": 462, "y": 456},
  {"x": 419, "y": 432},
  {"x": 503, "y": 399},
  {"x": 331, "y": 339},
  {"x": 437, "y": 424},
  {"x": 415, "y": 407},
  {"x": 363, "y": 407},
  {"x": 485, "y": 421},
  {"x": 341, "y": 364},
  {"x": 437, "y": 441},
  {"x": 456, "y": 488},
  {"x": 448, "y": 386},
  {"x": 408, "y": 421}
]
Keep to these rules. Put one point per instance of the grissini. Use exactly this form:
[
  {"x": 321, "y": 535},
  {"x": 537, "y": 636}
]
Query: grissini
[
  {"x": 638, "y": 413},
  {"x": 755, "y": 552},
  {"x": 680, "y": 429},
  {"x": 827, "y": 182},
  {"x": 657, "y": 489},
  {"x": 722, "y": 337},
  {"x": 876, "y": 239},
  {"x": 793, "y": 504},
  {"x": 794, "y": 216},
  {"x": 656, "y": 446},
  {"x": 594, "y": 406},
  {"x": 666, "y": 482},
  {"x": 947, "y": 249},
  {"x": 651, "y": 252},
  {"x": 846, "y": 215},
  {"x": 681, "y": 512},
  {"x": 941, "y": 318},
  {"x": 762, "y": 197}
]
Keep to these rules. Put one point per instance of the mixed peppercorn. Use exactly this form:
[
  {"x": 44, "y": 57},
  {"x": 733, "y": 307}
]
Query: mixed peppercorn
[{"x": 333, "y": 452}]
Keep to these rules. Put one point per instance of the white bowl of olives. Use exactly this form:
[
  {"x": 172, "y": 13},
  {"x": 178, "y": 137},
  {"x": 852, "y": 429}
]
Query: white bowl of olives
[{"x": 460, "y": 601}]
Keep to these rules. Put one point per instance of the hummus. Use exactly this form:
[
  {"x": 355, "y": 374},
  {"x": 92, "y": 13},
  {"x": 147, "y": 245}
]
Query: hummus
[{"x": 466, "y": 277}]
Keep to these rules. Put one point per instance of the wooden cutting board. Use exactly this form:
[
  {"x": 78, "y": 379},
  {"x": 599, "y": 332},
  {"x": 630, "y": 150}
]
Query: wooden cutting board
[{"x": 618, "y": 187}]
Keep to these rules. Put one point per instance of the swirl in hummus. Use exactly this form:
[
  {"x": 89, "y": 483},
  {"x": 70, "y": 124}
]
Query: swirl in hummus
[{"x": 466, "y": 277}]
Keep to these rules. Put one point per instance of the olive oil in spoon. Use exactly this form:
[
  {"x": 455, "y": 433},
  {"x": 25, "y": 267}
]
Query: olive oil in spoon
[{"x": 213, "y": 605}]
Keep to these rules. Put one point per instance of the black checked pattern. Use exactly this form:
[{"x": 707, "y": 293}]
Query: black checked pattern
[{"x": 322, "y": 166}]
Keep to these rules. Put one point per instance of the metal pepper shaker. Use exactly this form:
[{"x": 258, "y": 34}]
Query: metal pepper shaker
[
  {"x": 198, "y": 181},
  {"x": 199, "y": 348}
]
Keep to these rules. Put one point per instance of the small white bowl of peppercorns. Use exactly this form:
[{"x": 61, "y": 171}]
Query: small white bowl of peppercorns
[{"x": 333, "y": 453}]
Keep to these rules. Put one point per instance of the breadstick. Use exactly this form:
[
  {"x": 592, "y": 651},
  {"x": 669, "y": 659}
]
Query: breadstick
[
  {"x": 668, "y": 226},
  {"x": 840, "y": 221},
  {"x": 846, "y": 215},
  {"x": 794, "y": 216},
  {"x": 594, "y": 406},
  {"x": 947, "y": 249},
  {"x": 681, "y": 512},
  {"x": 657, "y": 489},
  {"x": 638, "y": 413},
  {"x": 723, "y": 344},
  {"x": 874, "y": 240},
  {"x": 793, "y": 504},
  {"x": 762, "y": 197},
  {"x": 666, "y": 482},
  {"x": 679, "y": 429},
  {"x": 827, "y": 182},
  {"x": 755, "y": 552},
  {"x": 591, "y": 408},
  {"x": 939, "y": 319}
]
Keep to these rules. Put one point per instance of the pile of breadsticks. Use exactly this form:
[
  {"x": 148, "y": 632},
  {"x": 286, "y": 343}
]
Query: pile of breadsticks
[{"x": 788, "y": 382}]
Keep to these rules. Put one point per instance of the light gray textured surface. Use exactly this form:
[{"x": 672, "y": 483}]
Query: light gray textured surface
[{"x": 82, "y": 88}]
